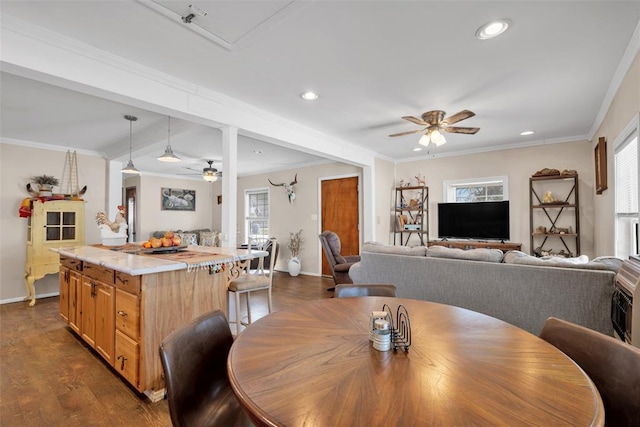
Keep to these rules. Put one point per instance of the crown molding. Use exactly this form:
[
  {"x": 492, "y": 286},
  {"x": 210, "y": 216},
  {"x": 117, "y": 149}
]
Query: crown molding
[
  {"x": 512, "y": 146},
  {"x": 50, "y": 147},
  {"x": 630, "y": 53}
]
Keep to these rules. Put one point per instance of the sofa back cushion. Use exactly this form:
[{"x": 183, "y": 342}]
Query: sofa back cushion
[
  {"x": 582, "y": 262},
  {"x": 480, "y": 254},
  {"x": 381, "y": 248}
]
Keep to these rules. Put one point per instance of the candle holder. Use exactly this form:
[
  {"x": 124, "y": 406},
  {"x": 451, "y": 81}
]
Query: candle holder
[{"x": 400, "y": 327}]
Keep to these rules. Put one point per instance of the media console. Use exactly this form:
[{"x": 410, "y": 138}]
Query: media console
[{"x": 472, "y": 244}]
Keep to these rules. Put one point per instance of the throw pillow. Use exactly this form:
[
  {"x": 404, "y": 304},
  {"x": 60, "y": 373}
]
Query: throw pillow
[
  {"x": 381, "y": 248},
  {"x": 480, "y": 254}
]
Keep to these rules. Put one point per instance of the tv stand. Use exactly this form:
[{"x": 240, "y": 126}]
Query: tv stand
[{"x": 474, "y": 244}]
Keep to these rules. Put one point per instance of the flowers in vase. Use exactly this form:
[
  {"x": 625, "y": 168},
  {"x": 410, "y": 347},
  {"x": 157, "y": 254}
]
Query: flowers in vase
[{"x": 295, "y": 243}]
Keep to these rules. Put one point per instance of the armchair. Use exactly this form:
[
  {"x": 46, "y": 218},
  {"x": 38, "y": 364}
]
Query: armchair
[{"x": 338, "y": 263}]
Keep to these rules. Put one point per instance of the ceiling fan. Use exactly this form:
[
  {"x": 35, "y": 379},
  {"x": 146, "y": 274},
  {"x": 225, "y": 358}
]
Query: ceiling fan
[
  {"x": 435, "y": 124},
  {"x": 209, "y": 173}
]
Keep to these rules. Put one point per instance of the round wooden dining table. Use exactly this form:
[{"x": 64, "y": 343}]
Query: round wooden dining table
[{"x": 313, "y": 365}]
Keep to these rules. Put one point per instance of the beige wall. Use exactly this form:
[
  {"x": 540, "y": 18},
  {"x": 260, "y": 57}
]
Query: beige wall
[
  {"x": 17, "y": 165},
  {"x": 385, "y": 174},
  {"x": 152, "y": 218},
  {"x": 288, "y": 217},
  {"x": 518, "y": 165},
  {"x": 624, "y": 107}
]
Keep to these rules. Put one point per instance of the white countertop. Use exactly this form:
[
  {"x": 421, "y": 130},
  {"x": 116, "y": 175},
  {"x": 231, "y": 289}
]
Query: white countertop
[{"x": 136, "y": 265}]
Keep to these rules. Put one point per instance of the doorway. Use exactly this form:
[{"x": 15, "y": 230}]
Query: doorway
[
  {"x": 130, "y": 203},
  {"x": 340, "y": 213}
]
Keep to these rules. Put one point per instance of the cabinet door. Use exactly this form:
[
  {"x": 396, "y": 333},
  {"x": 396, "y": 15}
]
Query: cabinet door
[
  {"x": 104, "y": 297},
  {"x": 64, "y": 293},
  {"x": 127, "y": 360},
  {"x": 75, "y": 301},
  {"x": 87, "y": 318},
  {"x": 128, "y": 314}
]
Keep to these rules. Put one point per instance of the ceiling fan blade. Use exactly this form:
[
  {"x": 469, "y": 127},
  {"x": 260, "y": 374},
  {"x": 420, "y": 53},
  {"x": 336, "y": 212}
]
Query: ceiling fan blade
[
  {"x": 407, "y": 133},
  {"x": 415, "y": 120},
  {"x": 456, "y": 129},
  {"x": 464, "y": 114}
]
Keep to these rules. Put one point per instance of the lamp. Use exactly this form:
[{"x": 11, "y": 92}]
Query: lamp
[
  {"x": 130, "y": 169},
  {"x": 210, "y": 174},
  {"x": 432, "y": 135},
  {"x": 168, "y": 155}
]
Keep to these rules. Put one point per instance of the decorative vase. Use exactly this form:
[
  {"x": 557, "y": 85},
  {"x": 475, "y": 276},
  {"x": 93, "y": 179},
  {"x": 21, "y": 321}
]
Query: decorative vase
[
  {"x": 45, "y": 190},
  {"x": 293, "y": 264}
]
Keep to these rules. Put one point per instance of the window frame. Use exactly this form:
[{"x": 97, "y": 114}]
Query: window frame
[
  {"x": 248, "y": 218},
  {"x": 631, "y": 131},
  {"x": 449, "y": 187}
]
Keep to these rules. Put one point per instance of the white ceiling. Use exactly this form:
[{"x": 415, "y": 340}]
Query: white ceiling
[{"x": 371, "y": 62}]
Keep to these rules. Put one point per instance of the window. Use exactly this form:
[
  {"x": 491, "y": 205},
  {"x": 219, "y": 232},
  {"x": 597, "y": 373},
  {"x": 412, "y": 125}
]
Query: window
[
  {"x": 256, "y": 224},
  {"x": 488, "y": 189},
  {"x": 626, "y": 193}
]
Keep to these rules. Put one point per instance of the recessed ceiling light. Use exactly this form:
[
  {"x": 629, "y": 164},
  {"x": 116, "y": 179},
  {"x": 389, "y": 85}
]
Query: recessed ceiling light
[
  {"x": 527, "y": 132},
  {"x": 309, "y": 96},
  {"x": 417, "y": 149},
  {"x": 493, "y": 29},
  {"x": 257, "y": 151}
]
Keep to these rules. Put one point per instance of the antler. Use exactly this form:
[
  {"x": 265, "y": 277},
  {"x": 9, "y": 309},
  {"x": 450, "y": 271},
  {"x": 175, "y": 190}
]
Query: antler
[
  {"x": 295, "y": 180},
  {"x": 275, "y": 185}
]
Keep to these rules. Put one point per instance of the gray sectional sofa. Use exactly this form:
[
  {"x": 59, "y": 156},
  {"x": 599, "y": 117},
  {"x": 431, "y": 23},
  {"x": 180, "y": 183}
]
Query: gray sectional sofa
[{"x": 480, "y": 280}]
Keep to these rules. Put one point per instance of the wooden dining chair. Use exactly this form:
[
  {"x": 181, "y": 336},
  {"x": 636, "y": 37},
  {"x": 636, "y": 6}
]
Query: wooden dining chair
[
  {"x": 612, "y": 365},
  {"x": 246, "y": 283},
  {"x": 194, "y": 361},
  {"x": 366, "y": 290}
]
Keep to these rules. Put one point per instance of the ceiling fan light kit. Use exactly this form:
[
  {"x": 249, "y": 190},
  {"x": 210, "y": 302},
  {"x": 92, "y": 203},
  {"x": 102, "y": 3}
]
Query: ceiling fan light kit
[
  {"x": 436, "y": 124},
  {"x": 210, "y": 174},
  {"x": 168, "y": 155},
  {"x": 130, "y": 168}
]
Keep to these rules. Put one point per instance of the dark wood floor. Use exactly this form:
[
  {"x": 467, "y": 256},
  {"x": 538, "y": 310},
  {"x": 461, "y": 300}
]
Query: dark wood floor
[{"x": 49, "y": 377}]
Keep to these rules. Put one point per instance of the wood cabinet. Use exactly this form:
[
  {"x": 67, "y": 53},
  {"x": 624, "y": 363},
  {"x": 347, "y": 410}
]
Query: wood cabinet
[
  {"x": 125, "y": 318},
  {"x": 468, "y": 244},
  {"x": 411, "y": 213},
  {"x": 554, "y": 216},
  {"x": 56, "y": 223}
]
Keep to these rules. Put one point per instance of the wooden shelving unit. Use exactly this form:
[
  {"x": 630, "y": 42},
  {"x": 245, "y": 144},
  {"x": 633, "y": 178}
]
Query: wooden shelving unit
[
  {"x": 555, "y": 224},
  {"x": 411, "y": 213}
]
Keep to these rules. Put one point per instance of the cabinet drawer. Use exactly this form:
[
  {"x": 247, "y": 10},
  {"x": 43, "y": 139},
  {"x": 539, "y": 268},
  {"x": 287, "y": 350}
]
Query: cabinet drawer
[
  {"x": 127, "y": 360},
  {"x": 71, "y": 263},
  {"x": 128, "y": 283},
  {"x": 128, "y": 314},
  {"x": 98, "y": 272}
]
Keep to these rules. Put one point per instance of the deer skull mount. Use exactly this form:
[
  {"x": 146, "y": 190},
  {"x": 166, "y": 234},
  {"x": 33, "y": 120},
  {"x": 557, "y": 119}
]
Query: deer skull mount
[{"x": 288, "y": 188}]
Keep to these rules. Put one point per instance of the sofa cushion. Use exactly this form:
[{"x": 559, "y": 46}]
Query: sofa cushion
[
  {"x": 381, "y": 248},
  {"x": 479, "y": 254},
  {"x": 582, "y": 262}
]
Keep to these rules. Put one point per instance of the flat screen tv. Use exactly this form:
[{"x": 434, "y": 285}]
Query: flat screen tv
[{"x": 474, "y": 220}]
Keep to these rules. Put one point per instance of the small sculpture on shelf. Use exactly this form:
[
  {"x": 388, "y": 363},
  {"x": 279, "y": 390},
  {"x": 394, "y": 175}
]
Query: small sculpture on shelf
[
  {"x": 420, "y": 180},
  {"x": 113, "y": 233}
]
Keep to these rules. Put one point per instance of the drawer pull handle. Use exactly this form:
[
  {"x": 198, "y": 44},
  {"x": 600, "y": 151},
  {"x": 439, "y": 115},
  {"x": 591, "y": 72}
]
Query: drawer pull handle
[
  {"x": 122, "y": 313},
  {"x": 124, "y": 282},
  {"x": 123, "y": 360}
]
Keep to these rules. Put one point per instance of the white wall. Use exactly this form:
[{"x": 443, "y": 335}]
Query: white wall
[
  {"x": 384, "y": 188},
  {"x": 518, "y": 164},
  {"x": 288, "y": 217},
  {"x": 625, "y": 106},
  {"x": 17, "y": 165}
]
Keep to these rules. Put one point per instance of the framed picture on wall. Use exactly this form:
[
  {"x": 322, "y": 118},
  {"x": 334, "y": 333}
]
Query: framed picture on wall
[
  {"x": 174, "y": 199},
  {"x": 601, "y": 165}
]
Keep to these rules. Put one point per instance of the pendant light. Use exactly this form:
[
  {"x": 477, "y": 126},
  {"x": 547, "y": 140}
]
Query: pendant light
[
  {"x": 168, "y": 155},
  {"x": 130, "y": 169}
]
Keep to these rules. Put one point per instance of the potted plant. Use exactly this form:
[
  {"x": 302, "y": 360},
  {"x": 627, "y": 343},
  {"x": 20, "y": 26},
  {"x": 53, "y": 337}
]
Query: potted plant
[
  {"x": 294, "y": 245},
  {"x": 45, "y": 184}
]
